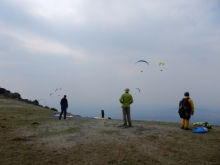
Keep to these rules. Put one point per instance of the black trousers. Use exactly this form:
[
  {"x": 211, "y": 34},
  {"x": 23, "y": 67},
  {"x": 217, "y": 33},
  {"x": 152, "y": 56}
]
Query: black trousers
[{"x": 63, "y": 112}]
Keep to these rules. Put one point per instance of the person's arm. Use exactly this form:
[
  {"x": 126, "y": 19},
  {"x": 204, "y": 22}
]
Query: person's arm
[
  {"x": 121, "y": 99},
  {"x": 66, "y": 103},
  {"x": 131, "y": 100},
  {"x": 179, "y": 106},
  {"x": 192, "y": 106}
]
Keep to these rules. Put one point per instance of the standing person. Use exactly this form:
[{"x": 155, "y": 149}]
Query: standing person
[
  {"x": 103, "y": 114},
  {"x": 126, "y": 100},
  {"x": 64, "y": 106},
  {"x": 186, "y": 109}
]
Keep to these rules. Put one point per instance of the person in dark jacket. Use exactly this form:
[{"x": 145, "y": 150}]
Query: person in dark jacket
[
  {"x": 64, "y": 106},
  {"x": 103, "y": 114},
  {"x": 185, "y": 119}
]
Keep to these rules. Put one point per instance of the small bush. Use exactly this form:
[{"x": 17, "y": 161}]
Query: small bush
[{"x": 54, "y": 109}]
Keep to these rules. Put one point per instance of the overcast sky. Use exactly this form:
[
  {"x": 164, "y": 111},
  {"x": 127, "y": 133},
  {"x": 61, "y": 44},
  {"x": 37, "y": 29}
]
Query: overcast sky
[{"x": 89, "y": 50}]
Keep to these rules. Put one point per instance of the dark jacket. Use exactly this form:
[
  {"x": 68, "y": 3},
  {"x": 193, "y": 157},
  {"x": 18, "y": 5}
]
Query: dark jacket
[{"x": 64, "y": 102}]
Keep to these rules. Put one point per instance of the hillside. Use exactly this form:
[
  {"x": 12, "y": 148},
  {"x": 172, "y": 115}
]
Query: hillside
[{"x": 29, "y": 135}]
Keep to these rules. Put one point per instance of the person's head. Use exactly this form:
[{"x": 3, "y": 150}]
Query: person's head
[
  {"x": 127, "y": 90},
  {"x": 64, "y": 96},
  {"x": 186, "y": 94}
]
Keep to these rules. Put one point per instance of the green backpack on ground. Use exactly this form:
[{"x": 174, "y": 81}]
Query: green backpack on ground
[{"x": 206, "y": 124}]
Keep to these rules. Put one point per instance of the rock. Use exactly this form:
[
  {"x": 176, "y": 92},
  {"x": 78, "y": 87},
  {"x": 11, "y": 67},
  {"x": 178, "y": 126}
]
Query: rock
[
  {"x": 2, "y": 91},
  {"x": 35, "y": 122},
  {"x": 35, "y": 102},
  {"x": 11, "y": 95},
  {"x": 7, "y": 92},
  {"x": 17, "y": 95},
  {"x": 19, "y": 139}
]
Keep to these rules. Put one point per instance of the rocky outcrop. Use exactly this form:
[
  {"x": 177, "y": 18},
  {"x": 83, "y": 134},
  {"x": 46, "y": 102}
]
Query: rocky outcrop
[
  {"x": 2, "y": 91},
  {"x": 7, "y": 94},
  {"x": 35, "y": 102},
  {"x": 13, "y": 95}
]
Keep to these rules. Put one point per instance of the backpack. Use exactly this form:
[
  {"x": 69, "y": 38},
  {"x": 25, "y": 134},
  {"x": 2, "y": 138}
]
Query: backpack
[
  {"x": 204, "y": 124},
  {"x": 200, "y": 129},
  {"x": 184, "y": 108}
]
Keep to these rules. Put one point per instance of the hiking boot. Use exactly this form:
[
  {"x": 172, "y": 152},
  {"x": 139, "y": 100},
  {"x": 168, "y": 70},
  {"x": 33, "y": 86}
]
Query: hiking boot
[
  {"x": 125, "y": 125},
  {"x": 187, "y": 129},
  {"x": 182, "y": 127},
  {"x": 130, "y": 125}
]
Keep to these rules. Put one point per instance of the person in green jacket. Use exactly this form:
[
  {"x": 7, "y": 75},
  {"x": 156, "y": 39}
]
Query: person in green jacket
[{"x": 126, "y": 100}]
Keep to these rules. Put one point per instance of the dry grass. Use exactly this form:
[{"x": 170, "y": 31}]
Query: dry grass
[{"x": 29, "y": 135}]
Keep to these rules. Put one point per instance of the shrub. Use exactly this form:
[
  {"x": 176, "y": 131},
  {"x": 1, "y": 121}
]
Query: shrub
[{"x": 54, "y": 109}]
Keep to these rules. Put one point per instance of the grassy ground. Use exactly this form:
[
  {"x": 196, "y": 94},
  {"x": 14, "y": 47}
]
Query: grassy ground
[{"x": 29, "y": 135}]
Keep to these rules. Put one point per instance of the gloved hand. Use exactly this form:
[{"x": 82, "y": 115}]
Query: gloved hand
[{"x": 192, "y": 113}]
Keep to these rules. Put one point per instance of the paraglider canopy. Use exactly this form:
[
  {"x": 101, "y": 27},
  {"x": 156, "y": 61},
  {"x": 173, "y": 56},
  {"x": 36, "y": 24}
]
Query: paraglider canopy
[
  {"x": 161, "y": 63},
  {"x": 142, "y": 61},
  {"x": 138, "y": 89}
]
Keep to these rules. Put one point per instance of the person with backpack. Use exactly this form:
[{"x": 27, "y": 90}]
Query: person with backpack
[
  {"x": 102, "y": 113},
  {"x": 64, "y": 106},
  {"x": 126, "y": 99},
  {"x": 186, "y": 109}
]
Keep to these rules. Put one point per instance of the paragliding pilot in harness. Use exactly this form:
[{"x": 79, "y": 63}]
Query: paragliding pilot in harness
[{"x": 186, "y": 109}]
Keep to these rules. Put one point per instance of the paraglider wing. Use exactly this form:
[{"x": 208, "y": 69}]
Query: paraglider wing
[
  {"x": 138, "y": 89},
  {"x": 161, "y": 63},
  {"x": 51, "y": 94},
  {"x": 142, "y": 61}
]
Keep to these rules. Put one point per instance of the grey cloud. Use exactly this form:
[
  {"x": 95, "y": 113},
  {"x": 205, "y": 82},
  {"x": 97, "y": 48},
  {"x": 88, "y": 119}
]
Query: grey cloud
[{"x": 114, "y": 35}]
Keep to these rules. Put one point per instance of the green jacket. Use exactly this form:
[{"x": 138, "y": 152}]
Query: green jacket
[{"x": 126, "y": 99}]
